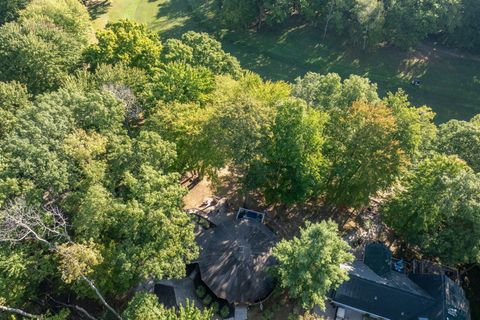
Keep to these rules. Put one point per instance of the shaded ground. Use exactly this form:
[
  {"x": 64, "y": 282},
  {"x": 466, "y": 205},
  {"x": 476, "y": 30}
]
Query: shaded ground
[
  {"x": 472, "y": 288},
  {"x": 449, "y": 78}
]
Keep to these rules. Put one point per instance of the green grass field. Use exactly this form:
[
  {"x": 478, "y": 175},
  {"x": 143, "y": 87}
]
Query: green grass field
[{"x": 449, "y": 79}]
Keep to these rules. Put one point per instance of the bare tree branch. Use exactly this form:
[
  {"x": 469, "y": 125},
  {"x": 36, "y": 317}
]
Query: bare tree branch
[
  {"x": 20, "y": 222},
  {"x": 20, "y": 312},
  {"x": 74, "y": 306}
]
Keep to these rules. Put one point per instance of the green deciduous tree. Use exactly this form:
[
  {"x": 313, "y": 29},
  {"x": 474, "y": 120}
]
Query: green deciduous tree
[
  {"x": 182, "y": 83},
  {"x": 310, "y": 266},
  {"x": 69, "y": 15},
  {"x": 145, "y": 306},
  {"x": 364, "y": 152},
  {"x": 125, "y": 42},
  {"x": 292, "y": 166},
  {"x": 461, "y": 138},
  {"x": 369, "y": 14},
  {"x": 416, "y": 131},
  {"x": 243, "y": 117},
  {"x": 188, "y": 126},
  {"x": 207, "y": 52},
  {"x": 437, "y": 208},
  {"x": 46, "y": 41},
  {"x": 328, "y": 91}
]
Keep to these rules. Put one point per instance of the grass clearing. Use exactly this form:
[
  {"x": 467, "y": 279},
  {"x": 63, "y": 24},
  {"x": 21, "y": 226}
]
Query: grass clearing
[{"x": 449, "y": 81}]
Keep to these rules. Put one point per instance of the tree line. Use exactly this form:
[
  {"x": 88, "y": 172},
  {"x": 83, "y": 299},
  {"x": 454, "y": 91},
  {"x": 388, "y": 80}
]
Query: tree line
[
  {"x": 96, "y": 135},
  {"x": 367, "y": 23}
]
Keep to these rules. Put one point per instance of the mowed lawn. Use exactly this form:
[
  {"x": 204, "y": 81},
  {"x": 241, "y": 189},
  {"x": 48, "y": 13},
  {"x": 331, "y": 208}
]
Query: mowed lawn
[{"x": 450, "y": 80}]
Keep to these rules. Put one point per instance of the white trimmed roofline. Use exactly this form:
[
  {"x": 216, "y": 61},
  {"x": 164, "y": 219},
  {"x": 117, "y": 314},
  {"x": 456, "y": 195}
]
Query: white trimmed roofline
[{"x": 358, "y": 310}]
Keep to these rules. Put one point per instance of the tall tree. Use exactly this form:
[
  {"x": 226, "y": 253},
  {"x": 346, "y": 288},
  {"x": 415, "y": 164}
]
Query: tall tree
[
  {"x": 364, "y": 152},
  {"x": 461, "y": 138},
  {"x": 46, "y": 41},
  {"x": 292, "y": 166},
  {"x": 208, "y": 53},
  {"x": 182, "y": 83},
  {"x": 369, "y": 15},
  {"x": 329, "y": 91},
  {"x": 416, "y": 130},
  {"x": 438, "y": 209},
  {"x": 310, "y": 266},
  {"x": 126, "y": 42}
]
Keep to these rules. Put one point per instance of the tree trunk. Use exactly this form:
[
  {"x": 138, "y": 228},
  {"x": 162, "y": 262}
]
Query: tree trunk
[
  {"x": 365, "y": 38},
  {"x": 329, "y": 16}
]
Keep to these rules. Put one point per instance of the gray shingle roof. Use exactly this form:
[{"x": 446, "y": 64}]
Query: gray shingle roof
[
  {"x": 398, "y": 296},
  {"x": 393, "y": 297},
  {"x": 234, "y": 258}
]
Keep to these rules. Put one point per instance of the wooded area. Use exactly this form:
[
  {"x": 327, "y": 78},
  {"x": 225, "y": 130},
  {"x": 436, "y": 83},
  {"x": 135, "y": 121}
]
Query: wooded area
[{"x": 96, "y": 136}]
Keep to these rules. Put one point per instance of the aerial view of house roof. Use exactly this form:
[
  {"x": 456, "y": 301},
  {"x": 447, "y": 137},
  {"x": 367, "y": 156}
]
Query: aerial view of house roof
[
  {"x": 234, "y": 258},
  {"x": 376, "y": 289}
]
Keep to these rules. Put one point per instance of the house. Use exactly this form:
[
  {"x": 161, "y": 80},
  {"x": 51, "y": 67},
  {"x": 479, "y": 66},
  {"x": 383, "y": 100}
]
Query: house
[{"x": 379, "y": 289}]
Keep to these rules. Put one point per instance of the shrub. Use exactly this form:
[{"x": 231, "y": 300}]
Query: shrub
[
  {"x": 201, "y": 291},
  {"x": 207, "y": 300},
  {"x": 215, "y": 307},
  {"x": 224, "y": 312}
]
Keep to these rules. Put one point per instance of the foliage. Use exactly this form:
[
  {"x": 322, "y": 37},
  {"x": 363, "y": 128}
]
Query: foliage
[
  {"x": 46, "y": 41},
  {"x": 182, "y": 83},
  {"x": 18, "y": 284},
  {"x": 292, "y": 166},
  {"x": 9, "y": 9},
  {"x": 328, "y": 91},
  {"x": 367, "y": 22},
  {"x": 225, "y": 311},
  {"x": 311, "y": 265},
  {"x": 215, "y": 307},
  {"x": 13, "y": 99},
  {"x": 69, "y": 15},
  {"x": 125, "y": 42},
  {"x": 438, "y": 209},
  {"x": 201, "y": 291},
  {"x": 461, "y": 138},
  {"x": 243, "y": 117},
  {"x": 207, "y": 52},
  {"x": 145, "y": 306},
  {"x": 77, "y": 260},
  {"x": 207, "y": 300},
  {"x": 364, "y": 153},
  {"x": 187, "y": 125},
  {"x": 416, "y": 131},
  {"x": 306, "y": 316}
]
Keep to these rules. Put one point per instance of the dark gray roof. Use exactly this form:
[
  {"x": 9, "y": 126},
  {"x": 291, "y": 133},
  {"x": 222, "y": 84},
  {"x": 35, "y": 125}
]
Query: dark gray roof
[
  {"x": 398, "y": 296},
  {"x": 452, "y": 302},
  {"x": 394, "y": 296},
  {"x": 234, "y": 258},
  {"x": 378, "y": 258},
  {"x": 166, "y": 295},
  {"x": 391, "y": 279}
]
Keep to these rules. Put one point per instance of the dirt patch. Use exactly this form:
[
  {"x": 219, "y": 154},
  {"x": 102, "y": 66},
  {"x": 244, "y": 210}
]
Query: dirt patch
[{"x": 198, "y": 194}]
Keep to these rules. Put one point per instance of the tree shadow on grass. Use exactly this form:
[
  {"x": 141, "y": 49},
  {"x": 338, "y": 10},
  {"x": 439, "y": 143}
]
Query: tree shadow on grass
[
  {"x": 97, "y": 8},
  {"x": 174, "y": 18}
]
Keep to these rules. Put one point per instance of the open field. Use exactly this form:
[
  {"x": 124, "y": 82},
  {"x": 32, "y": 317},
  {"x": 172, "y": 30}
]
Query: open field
[{"x": 450, "y": 80}]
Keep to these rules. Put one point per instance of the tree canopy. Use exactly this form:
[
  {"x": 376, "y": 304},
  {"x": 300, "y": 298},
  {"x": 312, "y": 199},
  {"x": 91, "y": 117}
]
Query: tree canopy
[
  {"x": 310, "y": 265},
  {"x": 437, "y": 208}
]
